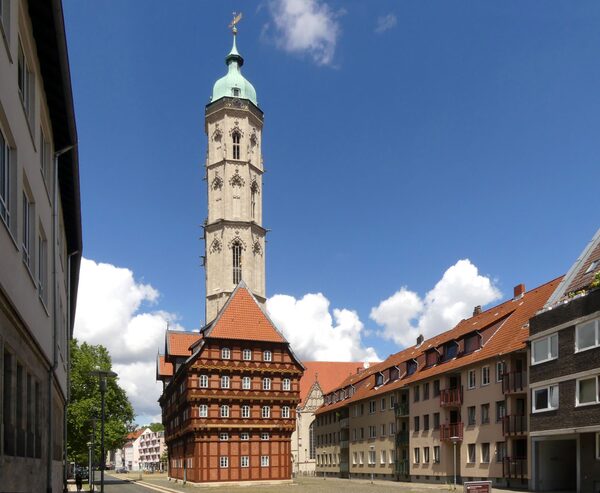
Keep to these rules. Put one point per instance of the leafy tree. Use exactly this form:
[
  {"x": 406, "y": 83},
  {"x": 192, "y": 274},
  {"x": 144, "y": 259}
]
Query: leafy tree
[
  {"x": 85, "y": 404},
  {"x": 155, "y": 427}
]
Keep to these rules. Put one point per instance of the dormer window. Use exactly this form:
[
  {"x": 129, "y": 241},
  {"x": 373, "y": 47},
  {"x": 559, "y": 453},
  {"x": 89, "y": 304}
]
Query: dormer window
[
  {"x": 472, "y": 342},
  {"x": 431, "y": 357},
  {"x": 411, "y": 367},
  {"x": 394, "y": 373},
  {"x": 236, "y": 92},
  {"x": 378, "y": 379},
  {"x": 450, "y": 351}
]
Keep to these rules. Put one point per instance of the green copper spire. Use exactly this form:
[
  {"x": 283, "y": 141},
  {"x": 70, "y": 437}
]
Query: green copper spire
[{"x": 233, "y": 84}]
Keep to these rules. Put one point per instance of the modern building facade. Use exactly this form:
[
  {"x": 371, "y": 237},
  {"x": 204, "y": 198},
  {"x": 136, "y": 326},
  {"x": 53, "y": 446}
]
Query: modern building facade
[
  {"x": 230, "y": 392},
  {"x": 461, "y": 394},
  {"x": 564, "y": 378},
  {"x": 40, "y": 243}
]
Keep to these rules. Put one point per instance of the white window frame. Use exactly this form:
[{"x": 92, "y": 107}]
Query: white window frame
[
  {"x": 225, "y": 382},
  {"x": 474, "y": 373},
  {"x": 583, "y": 404},
  {"x": 286, "y": 384},
  {"x": 264, "y": 435},
  {"x": 264, "y": 461},
  {"x": 5, "y": 169},
  {"x": 265, "y": 412},
  {"x": 417, "y": 455},
  {"x": 224, "y": 411},
  {"x": 382, "y": 456},
  {"x": 245, "y": 411},
  {"x": 203, "y": 382},
  {"x": 245, "y": 461},
  {"x": 499, "y": 370},
  {"x": 488, "y": 453},
  {"x": 267, "y": 355},
  {"x": 223, "y": 462},
  {"x": 28, "y": 233},
  {"x": 244, "y": 435},
  {"x": 266, "y": 384},
  {"x": 247, "y": 354},
  {"x": 483, "y": 373},
  {"x": 203, "y": 411},
  {"x": 225, "y": 353},
  {"x": 223, "y": 436},
  {"x": 596, "y": 323},
  {"x": 471, "y": 446},
  {"x": 426, "y": 455},
  {"x": 285, "y": 412},
  {"x": 550, "y": 357},
  {"x": 436, "y": 454},
  {"x": 549, "y": 408},
  {"x": 246, "y": 383}
]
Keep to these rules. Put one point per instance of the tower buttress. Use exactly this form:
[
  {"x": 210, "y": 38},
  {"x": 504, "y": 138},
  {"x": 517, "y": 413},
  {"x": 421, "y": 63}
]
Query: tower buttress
[{"x": 234, "y": 237}]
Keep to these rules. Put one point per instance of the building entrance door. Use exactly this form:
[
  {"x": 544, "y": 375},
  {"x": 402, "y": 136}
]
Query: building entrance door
[{"x": 555, "y": 465}]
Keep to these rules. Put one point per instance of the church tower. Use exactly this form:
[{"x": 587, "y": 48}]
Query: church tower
[{"x": 234, "y": 237}]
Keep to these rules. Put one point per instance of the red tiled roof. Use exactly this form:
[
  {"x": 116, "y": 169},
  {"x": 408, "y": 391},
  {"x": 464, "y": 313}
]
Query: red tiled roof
[
  {"x": 179, "y": 342},
  {"x": 329, "y": 374},
  {"x": 242, "y": 318},
  {"x": 135, "y": 434},
  {"x": 510, "y": 325},
  {"x": 164, "y": 368}
]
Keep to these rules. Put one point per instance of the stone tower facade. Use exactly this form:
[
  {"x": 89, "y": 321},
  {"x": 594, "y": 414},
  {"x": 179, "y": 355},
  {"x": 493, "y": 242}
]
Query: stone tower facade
[{"x": 233, "y": 233}]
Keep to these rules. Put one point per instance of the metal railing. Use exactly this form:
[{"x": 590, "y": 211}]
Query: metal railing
[
  {"x": 451, "y": 397},
  {"x": 514, "y": 467},
  {"x": 402, "y": 437},
  {"x": 344, "y": 423},
  {"x": 402, "y": 467},
  {"x": 514, "y": 425},
  {"x": 401, "y": 409},
  {"x": 514, "y": 381},
  {"x": 451, "y": 430}
]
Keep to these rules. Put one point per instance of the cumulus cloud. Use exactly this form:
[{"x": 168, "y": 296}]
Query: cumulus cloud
[
  {"x": 405, "y": 315},
  {"x": 308, "y": 27},
  {"x": 385, "y": 23},
  {"x": 115, "y": 310},
  {"x": 314, "y": 333}
]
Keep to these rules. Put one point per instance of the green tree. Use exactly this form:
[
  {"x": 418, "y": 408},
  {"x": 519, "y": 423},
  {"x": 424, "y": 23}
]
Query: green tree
[
  {"x": 155, "y": 427},
  {"x": 85, "y": 404}
]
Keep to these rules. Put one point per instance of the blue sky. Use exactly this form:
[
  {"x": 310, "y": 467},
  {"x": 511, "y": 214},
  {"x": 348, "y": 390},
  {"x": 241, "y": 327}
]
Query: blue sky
[{"x": 400, "y": 137}]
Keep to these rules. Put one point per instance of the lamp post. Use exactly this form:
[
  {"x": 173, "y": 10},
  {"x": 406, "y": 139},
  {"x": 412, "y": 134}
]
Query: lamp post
[
  {"x": 102, "y": 375},
  {"x": 455, "y": 440},
  {"x": 89, "y": 444},
  {"x": 92, "y": 444}
]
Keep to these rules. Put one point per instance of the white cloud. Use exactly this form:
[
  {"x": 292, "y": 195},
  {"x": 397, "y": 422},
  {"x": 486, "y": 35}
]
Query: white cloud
[
  {"x": 314, "y": 334},
  {"x": 113, "y": 310},
  {"x": 385, "y": 23},
  {"x": 306, "y": 27},
  {"x": 404, "y": 315}
]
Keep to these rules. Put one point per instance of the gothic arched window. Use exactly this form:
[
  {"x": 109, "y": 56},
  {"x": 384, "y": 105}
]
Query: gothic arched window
[
  {"x": 253, "y": 194},
  {"x": 236, "y": 144},
  {"x": 237, "y": 262},
  {"x": 311, "y": 441}
]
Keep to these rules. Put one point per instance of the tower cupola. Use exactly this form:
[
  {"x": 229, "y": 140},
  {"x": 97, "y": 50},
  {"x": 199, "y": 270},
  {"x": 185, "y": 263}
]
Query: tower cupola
[{"x": 234, "y": 84}]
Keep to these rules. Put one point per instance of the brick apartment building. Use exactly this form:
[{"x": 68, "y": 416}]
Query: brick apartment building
[
  {"x": 400, "y": 419},
  {"x": 564, "y": 378}
]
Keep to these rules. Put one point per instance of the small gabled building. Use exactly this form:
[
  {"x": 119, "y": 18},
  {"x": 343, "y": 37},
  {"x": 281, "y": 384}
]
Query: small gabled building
[
  {"x": 229, "y": 408},
  {"x": 564, "y": 377}
]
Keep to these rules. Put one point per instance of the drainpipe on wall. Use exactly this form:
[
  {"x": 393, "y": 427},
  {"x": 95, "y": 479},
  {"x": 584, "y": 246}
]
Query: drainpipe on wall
[{"x": 55, "y": 321}]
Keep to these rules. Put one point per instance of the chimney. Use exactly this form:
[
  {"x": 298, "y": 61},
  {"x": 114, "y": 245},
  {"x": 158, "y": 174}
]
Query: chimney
[
  {"x": 477, "y": 310},
  {"x": 420, "y": 339},
  {"x": 519, "y": 290}
]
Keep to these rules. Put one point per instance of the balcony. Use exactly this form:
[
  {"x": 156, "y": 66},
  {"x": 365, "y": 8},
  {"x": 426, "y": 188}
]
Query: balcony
[
  {"x": 450, "y": 430},
  {"x": 514, "y": 382},
  {"x": 344, "y": 444},
  {"x": 451, "y": 397},
  {"x": 514, "y": 425},
  {"x": 344, "y": 423},
  {"x": 402, "y": 438},
  {"x": 514, "y": 467},
  {"x": 401, "y": 409}
]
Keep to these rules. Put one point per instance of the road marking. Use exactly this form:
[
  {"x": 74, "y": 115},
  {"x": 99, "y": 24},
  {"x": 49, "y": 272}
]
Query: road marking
[{"x": 155, "y": 487}]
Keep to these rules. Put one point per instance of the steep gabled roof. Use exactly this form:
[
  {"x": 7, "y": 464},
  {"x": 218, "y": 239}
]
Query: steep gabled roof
[
  {"x": 163, "y": 368},
  {"x": 179, "y": 342},
  {"x": 328, "y": 374},
  {"x": 581, "y": 273},
  {"x": 509, "y": 322},
  {"x": 243, "y": 318}
]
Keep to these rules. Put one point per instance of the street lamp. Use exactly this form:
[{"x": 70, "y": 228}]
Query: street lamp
[
  {"x": 455, "y": 440},
  {"x": 102, "y": 375},
  {"x": 89, "y": 444}
]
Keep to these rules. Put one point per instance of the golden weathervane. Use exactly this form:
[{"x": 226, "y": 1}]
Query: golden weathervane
[{"x": 236, "y": 19}]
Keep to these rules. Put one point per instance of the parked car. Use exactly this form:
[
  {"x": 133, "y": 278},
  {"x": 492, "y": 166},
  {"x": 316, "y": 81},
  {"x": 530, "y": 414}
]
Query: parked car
[
  {"x": 82, "y": 471},
  {"x": 120, "y": 470}
]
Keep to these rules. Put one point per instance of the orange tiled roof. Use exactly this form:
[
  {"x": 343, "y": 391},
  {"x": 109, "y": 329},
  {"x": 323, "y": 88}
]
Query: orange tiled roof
[
  {"x": 179, "y": 342},
  {"x": 329, "y": 374},
  {"x": 164, "y": 368},
  {"x": 134, "y": 435},
  {"x": 510, "y": 326},
  {"x": 242, "y": 318}
]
